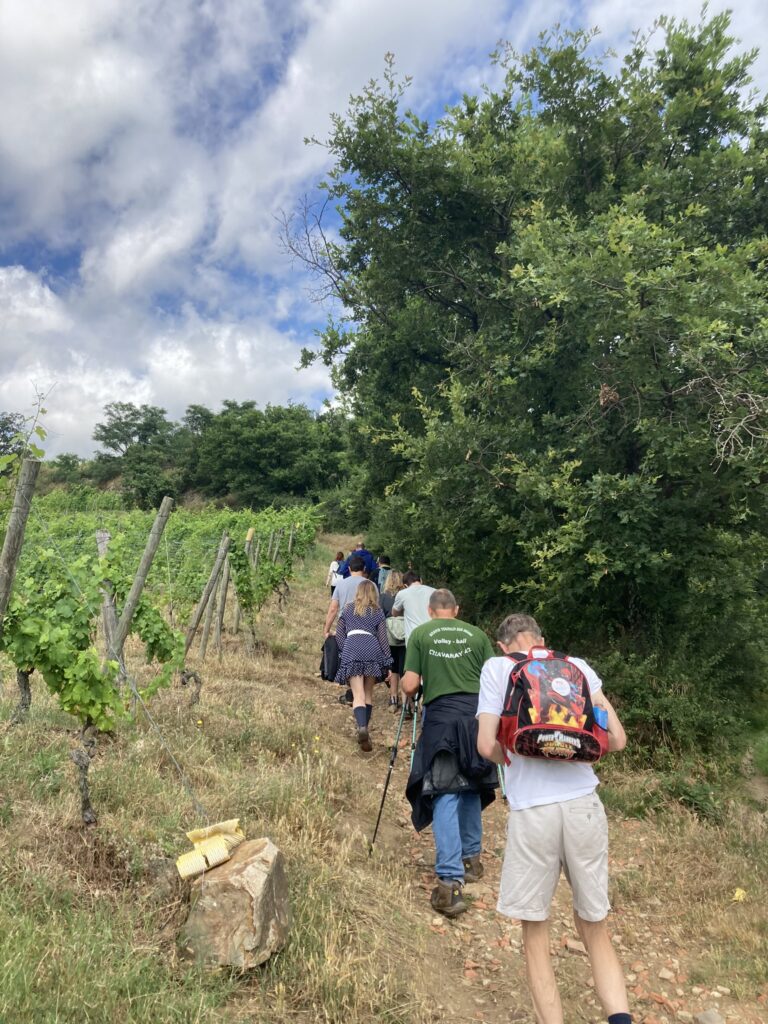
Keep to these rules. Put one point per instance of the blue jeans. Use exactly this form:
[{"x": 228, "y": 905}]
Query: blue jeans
[{"x": 458, "y": 831}]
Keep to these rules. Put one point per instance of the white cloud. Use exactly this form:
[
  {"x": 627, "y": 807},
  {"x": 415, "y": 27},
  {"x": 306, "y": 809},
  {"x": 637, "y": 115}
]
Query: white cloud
[
  {"x": 142, "y": 247},
  {"x": 154, "y": 142},
  {"x": 28, "y": 308}
]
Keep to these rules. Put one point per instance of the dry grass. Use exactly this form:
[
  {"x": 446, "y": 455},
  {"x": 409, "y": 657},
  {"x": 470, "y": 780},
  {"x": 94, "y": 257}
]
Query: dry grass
[
  {"x": 253, "y": 748},
  {"x": 88, "y": 918}
]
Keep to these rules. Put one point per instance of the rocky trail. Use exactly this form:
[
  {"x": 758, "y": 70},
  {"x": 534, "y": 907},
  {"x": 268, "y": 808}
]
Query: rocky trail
[{"x": 474, "y": 969}]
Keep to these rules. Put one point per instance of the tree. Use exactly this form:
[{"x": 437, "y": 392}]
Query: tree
[
  {"x": 260, "y": 457},
  {"x": 127, "y": 425},
  {"x": 567, "y": 277},
  {"x": 11, "y": 433},
  {"x": 66, "y": 468}
]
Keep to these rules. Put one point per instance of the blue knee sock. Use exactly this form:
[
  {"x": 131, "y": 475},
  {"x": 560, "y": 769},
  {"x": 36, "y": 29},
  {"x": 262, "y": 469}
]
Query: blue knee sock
[
  {"x": 360, "y": 717},
  {"x": 620, "y": 1018},
  {"x": 368, "y": 713}
]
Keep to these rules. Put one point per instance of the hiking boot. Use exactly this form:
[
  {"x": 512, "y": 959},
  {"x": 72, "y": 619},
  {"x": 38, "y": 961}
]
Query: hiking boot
[
  {"x": 364, "y": 740},
  {"x": 447, "y": 898},
  {"x": 473, "y": 869}
]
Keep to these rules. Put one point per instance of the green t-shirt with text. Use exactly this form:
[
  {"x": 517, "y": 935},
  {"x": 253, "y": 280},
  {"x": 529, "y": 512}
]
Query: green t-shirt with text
[{"x": 448, "y": 654}]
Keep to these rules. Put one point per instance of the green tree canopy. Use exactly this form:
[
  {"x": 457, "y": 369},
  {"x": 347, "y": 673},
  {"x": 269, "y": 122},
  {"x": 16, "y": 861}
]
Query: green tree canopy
[{"x": 556, "y": 325}]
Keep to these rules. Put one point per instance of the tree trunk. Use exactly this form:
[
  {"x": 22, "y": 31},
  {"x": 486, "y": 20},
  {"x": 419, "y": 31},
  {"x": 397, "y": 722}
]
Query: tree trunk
[
  {"x": 25, "y": 695},
  {"x": 82, "y": 758}
]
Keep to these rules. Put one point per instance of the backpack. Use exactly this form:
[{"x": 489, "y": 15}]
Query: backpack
[
  {"x": 548, "y": 710},
  {"x": 384, "y": 571},
  {"x": 329, "y": 664},
  {"x": 396, "y": 630}
]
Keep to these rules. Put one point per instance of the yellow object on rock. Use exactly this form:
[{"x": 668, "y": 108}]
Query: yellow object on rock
[
  {"x": 739, "y": 896},
  {"x": 212, "y": 845}
]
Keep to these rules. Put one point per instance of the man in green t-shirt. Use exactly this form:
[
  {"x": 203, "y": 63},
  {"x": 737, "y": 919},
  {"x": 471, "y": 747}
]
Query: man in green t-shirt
[{"x": 450, "y": 783}]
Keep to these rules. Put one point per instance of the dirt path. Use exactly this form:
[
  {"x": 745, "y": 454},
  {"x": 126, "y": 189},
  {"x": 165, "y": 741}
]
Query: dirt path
[{"x": 473, "y": 968}]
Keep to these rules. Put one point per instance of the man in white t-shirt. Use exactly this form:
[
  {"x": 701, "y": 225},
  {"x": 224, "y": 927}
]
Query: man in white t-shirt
[
  {"x": 556, "y": 820},
  {"x": 413, "y": 602}
]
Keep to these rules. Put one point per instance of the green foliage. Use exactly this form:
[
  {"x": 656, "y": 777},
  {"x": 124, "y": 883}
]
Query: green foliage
[
  {"x": 51, "y": 622},
  {"x": 48, "y": 628},
  {"x": 555, "y": 348},
  {"x": 127, "y": 425},
  {"x": 243, "y": 456},
  {"x": 761, "y": 754}
]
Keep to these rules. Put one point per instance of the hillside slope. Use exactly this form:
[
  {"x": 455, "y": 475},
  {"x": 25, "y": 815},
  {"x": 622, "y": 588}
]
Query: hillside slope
[{"x": 88, "y": 918}]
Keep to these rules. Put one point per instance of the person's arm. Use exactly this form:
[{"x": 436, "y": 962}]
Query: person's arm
[
  {"x": 410, "y": 683},
  {"x": 617, "y": 738},
  {"x": 490, "y": 703},
  {"x": 397, "y": 607},
  {"x": 487, "y": 744},
  {"x": 333, "y": 611},
  {"x": 411, "y": 678}
]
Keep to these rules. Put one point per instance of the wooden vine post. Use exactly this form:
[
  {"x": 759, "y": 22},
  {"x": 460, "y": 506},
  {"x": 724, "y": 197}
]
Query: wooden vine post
[
  {"x": 222, "y": 606},
  {"x": 14, "y": 535},
  {"x": 108, "y": 607},
  {"x": 248, "y": 557},
  {"x": 116, "y": 631},
  {"x": 209, "y": 617},
  {"x": 137, "y": 587},
  {"x": 201, "y": 604}
]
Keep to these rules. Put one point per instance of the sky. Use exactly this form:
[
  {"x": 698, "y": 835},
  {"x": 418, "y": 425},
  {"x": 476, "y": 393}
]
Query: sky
[{"x": 147, "y": 149}]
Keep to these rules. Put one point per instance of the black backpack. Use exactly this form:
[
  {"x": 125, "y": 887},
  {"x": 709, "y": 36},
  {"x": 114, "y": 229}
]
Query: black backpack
[{"x": 329, "y": 663}]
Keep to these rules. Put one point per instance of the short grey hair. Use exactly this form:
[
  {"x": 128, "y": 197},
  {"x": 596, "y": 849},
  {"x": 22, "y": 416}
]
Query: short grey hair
[
  {"x": 515, "y": 624},
  {"x": 441, "y": 600}
]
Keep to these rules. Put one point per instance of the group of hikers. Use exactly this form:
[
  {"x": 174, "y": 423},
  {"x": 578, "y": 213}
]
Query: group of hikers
[{"x": 540, "y": 715}]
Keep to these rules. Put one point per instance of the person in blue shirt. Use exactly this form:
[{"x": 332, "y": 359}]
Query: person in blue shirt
[{"x": 371, "y": 565}]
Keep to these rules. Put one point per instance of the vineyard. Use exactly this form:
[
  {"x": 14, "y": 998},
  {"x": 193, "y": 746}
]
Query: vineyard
[{"x": 174, "y": 583}]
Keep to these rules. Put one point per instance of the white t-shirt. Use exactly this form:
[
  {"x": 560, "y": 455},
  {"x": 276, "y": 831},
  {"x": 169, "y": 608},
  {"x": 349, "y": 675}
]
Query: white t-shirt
[
  {"x": 532, "y": 781},
  {"x": 414, "y": 602}
]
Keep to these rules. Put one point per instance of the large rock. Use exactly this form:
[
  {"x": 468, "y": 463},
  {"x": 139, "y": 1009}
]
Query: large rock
[{"x": 240, "y": 913}]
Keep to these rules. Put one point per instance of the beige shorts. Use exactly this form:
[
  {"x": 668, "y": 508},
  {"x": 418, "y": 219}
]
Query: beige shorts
[{"x": 540, "y": 840}]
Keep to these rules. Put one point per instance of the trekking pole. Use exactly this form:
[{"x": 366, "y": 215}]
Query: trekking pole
[
  {"x": 415, "y": 726},
  {"x": 392, "y": 757},
  {"x": 501, "y": 782}
]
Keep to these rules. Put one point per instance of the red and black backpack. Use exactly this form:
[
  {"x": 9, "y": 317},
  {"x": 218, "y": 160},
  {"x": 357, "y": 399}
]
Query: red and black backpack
[{"x": 548, "y": 710}]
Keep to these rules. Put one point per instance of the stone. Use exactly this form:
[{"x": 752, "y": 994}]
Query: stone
[
  {"x": 574, "y": 946},
  {"x": 240, "y": 912},
  {"x": 710, "y": 1017}
]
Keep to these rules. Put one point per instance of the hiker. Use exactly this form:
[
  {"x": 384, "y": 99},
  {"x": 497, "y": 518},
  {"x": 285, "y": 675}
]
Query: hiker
[
  {"x": 332, "y": 578},
  {"x": 345, "y": 591},
  {"x": 449, "y": 784},
  {"x": 395, "y": 635},
  {"x": 556, "y": 820},
  {"x": 385, "y": 569},
  {"x": 413, "y": 602},
  {"x": 359, "y": 551},
  {"x": 361, "y": 634}
]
